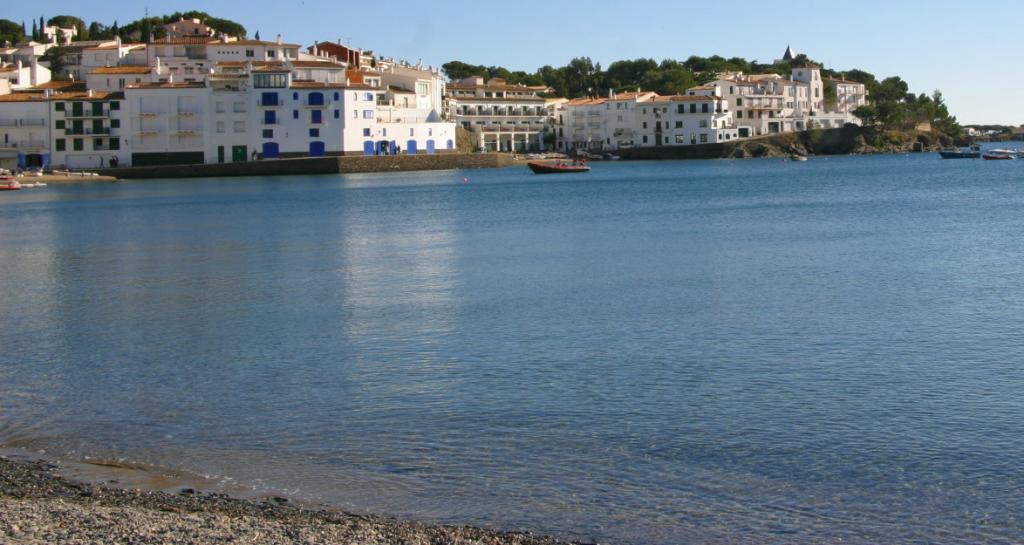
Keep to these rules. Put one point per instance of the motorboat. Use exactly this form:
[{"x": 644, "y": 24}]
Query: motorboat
[
  {"x": 999, "y": 155},
  {"x": 973, "y": 152},
  {"x": 8, "y": 183},
  {"x": 798, "y": 158},
  {"x": 560, "y": 167}
]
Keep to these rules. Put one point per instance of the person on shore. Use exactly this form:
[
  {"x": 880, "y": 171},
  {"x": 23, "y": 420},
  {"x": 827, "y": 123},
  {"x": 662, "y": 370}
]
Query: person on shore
[{"x": 101, "y": 162}]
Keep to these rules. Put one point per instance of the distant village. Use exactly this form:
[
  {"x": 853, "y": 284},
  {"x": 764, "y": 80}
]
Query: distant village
[{"x": 199, "y": 96}]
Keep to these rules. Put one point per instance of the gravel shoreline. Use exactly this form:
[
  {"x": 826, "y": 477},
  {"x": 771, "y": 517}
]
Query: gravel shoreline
[{"x": 38, "y": 506}]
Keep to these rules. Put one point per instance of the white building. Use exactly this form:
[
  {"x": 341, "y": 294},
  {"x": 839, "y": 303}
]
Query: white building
[
  {"x": 499, "y": 116},
  {"x": 20, "y": 76},
  {"x": 24, "y": 130},
  {"x": 188, "y": 27},
  {"x": 87, "y": 129},
  {"x": 643, "y": 119}
]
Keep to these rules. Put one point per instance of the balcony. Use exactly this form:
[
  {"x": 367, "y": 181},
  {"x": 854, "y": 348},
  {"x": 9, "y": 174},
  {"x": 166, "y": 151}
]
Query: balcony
[
  {"x": 270, "y": 103},
  {"x": 322, "y": 104},
  {"x": 86, "y": 115},
  {"x": 28, "y": 144},
  {"x": 86, "y": 131}
]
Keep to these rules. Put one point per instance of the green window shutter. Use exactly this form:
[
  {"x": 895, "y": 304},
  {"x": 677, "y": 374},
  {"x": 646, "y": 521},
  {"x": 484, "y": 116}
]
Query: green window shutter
[{"x": 61, "y": 144}]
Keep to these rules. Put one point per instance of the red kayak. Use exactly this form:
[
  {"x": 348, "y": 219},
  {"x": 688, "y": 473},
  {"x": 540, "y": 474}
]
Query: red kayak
[
  {"x": 558, "y": 168},
  {"x": 8, "y": 183}
]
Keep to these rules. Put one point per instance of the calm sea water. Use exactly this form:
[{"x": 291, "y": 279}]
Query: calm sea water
[{"x": 680, "y": 352}]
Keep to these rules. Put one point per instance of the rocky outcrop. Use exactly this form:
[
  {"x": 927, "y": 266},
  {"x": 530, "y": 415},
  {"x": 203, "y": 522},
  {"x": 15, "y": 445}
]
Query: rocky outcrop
[{"x": 845, "y": 141}]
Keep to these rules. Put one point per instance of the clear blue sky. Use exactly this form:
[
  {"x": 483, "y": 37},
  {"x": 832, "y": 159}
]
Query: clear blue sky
[{"x": 971, "y": 52}]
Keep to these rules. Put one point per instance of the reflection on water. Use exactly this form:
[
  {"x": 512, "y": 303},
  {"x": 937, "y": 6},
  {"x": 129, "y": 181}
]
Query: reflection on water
[{"x": 701, "y": 352}]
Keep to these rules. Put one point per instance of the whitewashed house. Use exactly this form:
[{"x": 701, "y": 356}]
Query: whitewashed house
[{"x": 499, "y": 116}]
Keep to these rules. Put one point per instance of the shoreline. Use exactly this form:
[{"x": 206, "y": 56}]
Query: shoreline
[{"x": 41, "y": 503}]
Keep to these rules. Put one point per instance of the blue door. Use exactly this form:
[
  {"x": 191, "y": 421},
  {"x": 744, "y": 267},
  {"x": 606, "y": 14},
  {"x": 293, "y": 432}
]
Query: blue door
[
  {"x": 451, "y": 145},
  {"x": 270, "y": 150},
  {"x": 430, "y": 146},
  {"x": 316, "y": 149},
  {"x": 394, "y": 147},
  {"x": 410, "y": 147},
  {"x": 368, "y": 147},
  {"x": 316, "y": 116}
]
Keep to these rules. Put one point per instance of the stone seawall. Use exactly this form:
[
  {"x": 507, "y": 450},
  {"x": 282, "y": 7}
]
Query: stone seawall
[{"x": 316, "y": 165}]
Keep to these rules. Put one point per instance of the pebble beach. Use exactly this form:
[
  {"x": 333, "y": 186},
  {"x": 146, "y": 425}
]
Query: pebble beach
[{"x": 38, "y": 506}]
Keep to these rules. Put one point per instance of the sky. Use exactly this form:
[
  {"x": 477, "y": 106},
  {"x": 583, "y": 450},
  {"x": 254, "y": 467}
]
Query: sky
[{"x": 971, "y": 52}]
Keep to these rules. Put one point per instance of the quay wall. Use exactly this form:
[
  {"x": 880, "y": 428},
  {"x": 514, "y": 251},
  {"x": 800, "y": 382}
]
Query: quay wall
[{"x": 315, "y": 165}]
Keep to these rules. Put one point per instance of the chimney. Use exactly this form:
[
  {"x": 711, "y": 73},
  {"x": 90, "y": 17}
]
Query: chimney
[
  {"x": 223, "y": 38},
  {"x": 89, "y": 93},
  {"x": 280, "y": 40},
  {"x": 34, "y": 71}
]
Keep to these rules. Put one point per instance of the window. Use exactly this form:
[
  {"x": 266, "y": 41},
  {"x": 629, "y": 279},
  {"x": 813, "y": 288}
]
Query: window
[
  {"x": 97, "y": 143},
  {"x": 61, "y": 144},
  {"x": 337, "y": 114},
  {"x": 693, "y": 108},
  {"x": 739, "y": 102},
  {"x": 355, "y": 114},
  {"x": 337, "y": 96},
  {"x": 78, "y": 144},
  {"x": 314, "y": 133},
  {"x": 220, "y": 126},
  {"x": 369, "y": 96},
  {"x": 268, "y": 133},
  {"x": 270, "y": 81},
  {"x": 268, "y": 99},
  {"x": 295, "y": 114},
  {"x": 59, "y": 106},
  {"x": 412, "y": 132},
  {"x": 316, "y": 99},
  {"x": 366, "y": 132},
  {"x": 739, "y": 115},
  {"x": 422, "y": 88},
  {"x": 367, "y": 114},
  {"x": 239, "y": 107},
  {"x": 250, "y": 53},
  {"x": 239, "y": 126},
  {"x": 115, "y": 105},
  {"x": 680, "y": 139},
  {"x": 679, "y": 124},
  {"x": 316, "y": 116},
  {"x": 60, "y": 123},
  {"x": 704, "y": 108},
  {"x": 703, "y": 123},
  {"x": 295, "y": 96},
  {"x": 270, "y": 117},
  {"x": 645, "y": 124},
  {"x": 115, "y": 143},
  {"x": 645, "y": 139},
  {"x": 219, "y": 108}
]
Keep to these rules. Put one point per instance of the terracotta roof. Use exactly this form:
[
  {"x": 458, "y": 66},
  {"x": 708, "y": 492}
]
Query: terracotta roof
[
  {"x": 492, "y": 87},
  {"x": 22, "y": 97},
  {"x": 844, "y": 81},
  {"x": 187, "y": 40},
  {"x": 122, "y": 70},
  {"x": 586, "y": 101},
  {"x": 317, "y": 64},
  {"x": 322, "y": 85},
  {"x": 84, "y": 95},
  {"x": 253, "y": 42},
  {"x": 76, "y": 95},
  {"x": 62, "y": 85},
  {"x": 688, "y": 98},
  {"x": 161, "y": 85}
]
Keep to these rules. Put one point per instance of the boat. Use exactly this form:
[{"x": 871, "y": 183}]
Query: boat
[
  {"x": 8, "y": 183},
  {"x": 560, "y": 167},
  {"x": 973, "y": 152},
  {"x": 999, "y": 155},
  {"x": 798, "y": 158}
]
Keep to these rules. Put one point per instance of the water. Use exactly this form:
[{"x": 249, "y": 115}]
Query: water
[{"x": 681, "y": 352}]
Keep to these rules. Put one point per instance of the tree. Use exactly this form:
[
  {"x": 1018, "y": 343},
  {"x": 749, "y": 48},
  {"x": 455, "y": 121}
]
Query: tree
[
  {"x": 53, "y": 57},
  {"x": 457, "y": 70},
  {"x": 114, "y": 30},
  {"x": 147, "y": 31},
  {"x": 257, "y": 35},
  {"x": 582, "y": 77},
  {"x": 9, "y": 31},
  {"x": 35, "y": 32}
]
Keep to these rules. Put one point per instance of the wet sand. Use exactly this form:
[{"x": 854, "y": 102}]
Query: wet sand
[{"x": 40, "y": 504}]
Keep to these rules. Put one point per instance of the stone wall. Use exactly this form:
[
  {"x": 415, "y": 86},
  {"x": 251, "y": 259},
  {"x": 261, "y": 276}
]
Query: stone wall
[{"x": 317, "y": 165}]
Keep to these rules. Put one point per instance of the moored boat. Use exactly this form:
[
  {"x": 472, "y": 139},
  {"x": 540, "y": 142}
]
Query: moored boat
[
  {"x": 999, "y": 155},
  {"x": 8, "y": 183},
  {"x": 560, "y": 167},
  {"x": 973, "y": 152}
]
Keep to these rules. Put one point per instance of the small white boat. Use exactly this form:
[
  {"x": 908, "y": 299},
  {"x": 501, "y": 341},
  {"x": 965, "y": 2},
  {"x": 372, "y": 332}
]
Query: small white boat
[{"x": 798, "y": 158}]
